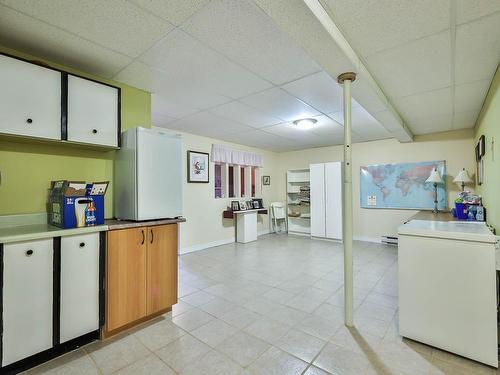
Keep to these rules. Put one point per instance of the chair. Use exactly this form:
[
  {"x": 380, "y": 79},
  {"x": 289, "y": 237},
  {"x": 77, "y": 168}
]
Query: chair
[{"x": 278, "y": 218}]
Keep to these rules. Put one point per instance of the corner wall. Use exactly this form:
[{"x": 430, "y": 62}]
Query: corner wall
[
  {"x": 488, "y": 124},
  {"x": 370, "y": 224}
]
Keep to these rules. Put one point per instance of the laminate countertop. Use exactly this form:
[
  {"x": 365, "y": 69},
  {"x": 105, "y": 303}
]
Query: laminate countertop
[{"x": 114, "y": 224}]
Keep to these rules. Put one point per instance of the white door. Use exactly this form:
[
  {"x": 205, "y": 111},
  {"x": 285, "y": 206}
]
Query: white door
[
  {"x": 159, "y": 175},
  {"x": 92, "y": 112},
  {"x": 27, "y": 299},
  {"x": 317, "y": 175},
  {"x": 333, "y": 200},
  {"x": 79, "y": 285},
  {"x": 30, "y": 99}
]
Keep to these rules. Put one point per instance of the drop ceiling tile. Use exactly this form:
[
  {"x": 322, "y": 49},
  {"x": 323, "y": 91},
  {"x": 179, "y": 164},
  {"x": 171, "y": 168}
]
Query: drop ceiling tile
[
  {"x": 327, "y": 127},
  {"x": 470, "y": 96},
  {"x": 277, "y": 103},
  {"x": 208, "y": 124},
  {"x": 387, "y": 120},
  {"x": 244, "y": 114},
  {"x": 246, "y": 35},
  {"x": 425, "y": 125},
  {"x": 290, "y": 131},
  {"x": 477, "y": 49},
  {"x": 157, "y": 119},
  {"x": 174, "y": 11},
  {"x": 468, "y": 10},
  {"x": 366, "y": 96},
  {"x": 420, "y": 66},
  {"x": 428, "y": 104},
  {"x": 319, "y": 90},
  {"x": 362, "y": 122},
  {"x": 115, "y": 24},
  {"x": 402, "y": 136},
  {"x": 263, "y": 140},
  {"x": 29, "y": 35},
  {"x": 365, "y": 137},
  {"x": 183, "y": 59},
  {"x": 465, "y": 120},
  {"x": 375, "y": 25}
]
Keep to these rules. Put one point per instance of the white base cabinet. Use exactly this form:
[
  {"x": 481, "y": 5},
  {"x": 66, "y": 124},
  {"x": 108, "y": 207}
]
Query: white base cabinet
[
  {"x": 79, "y": 313},
  {"x": 246, "y": 226},
  {"x": 27, "y": 299}
]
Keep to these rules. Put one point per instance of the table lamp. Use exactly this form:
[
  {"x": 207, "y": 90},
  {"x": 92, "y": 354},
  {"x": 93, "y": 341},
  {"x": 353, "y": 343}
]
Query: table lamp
[
  {"x": 435, "y": 178},
  {"x": 463, "y": 178}
]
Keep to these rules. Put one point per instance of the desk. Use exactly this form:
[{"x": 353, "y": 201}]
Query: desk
[
  {"x": 447, "y": 287},
  {"x": 246, "y": 223}
]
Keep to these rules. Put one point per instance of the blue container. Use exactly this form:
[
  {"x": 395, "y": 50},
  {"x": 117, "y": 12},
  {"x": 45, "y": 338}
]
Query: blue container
[{"x": 461, "y": 210}]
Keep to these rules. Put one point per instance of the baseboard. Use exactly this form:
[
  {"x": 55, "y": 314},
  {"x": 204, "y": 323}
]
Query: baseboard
[
  {"x": 208, "y": 245},
  {"x": 367, "y": 239}
]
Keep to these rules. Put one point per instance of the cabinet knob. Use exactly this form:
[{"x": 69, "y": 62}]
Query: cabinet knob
[
  {"x": 29, "y": 121},
  {"x": 29, "y": 253},
  {"x": 82, "y": 244},
  {"x": 94, "y": 131}
]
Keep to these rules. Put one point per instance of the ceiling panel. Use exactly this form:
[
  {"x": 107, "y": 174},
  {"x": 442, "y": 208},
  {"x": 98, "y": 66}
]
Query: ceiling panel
[
  {"x": 470, "y": 96},
  {"x": 276, "y": 102},
  {"x": 364, "y": 93},
  {"x": 427, "y": 124},
  {"x": 468, "y": 10},
  {"x": 362, "y": 122},
  {"x": 428, "y": 104},
  {"x": 415, "y": 67},
  {"x": 183, "y": 59},
  {"x": 116, "y": 24},
  {"x": 465, "y": 120},
  {"x": 255, "y": 41},
  {"x": 29, "y": 35},
  {"x": 318, "y": 90},
  {"x": 376, "y": 25},
  {"x": 261, "y": 139},
  {"x": 174, "y": 11},
  {"x": 240, "y": 112},
  {"x": 477, "y": 49},
  {"x": 290, "y": 131},
  {"x": 204, "y": 122},
  {"x": 388, "y": 120}
]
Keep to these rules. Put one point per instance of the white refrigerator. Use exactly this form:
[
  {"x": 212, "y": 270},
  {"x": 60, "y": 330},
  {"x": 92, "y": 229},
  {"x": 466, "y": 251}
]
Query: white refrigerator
[{"x": 148, "y": 175}]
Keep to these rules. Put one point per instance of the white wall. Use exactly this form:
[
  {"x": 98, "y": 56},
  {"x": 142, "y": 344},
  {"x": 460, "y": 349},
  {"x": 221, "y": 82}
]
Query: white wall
[
  {"x": 370, "y": 224},
  {"x": 204, "y": 225}
]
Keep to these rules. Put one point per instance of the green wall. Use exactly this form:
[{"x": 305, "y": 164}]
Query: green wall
[
  {"x": 27, "y": 167},
  {"x": 488, "y": 124}
]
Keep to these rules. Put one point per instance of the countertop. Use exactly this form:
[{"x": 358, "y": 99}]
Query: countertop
[
  {"x": 431, "y": 216},
  {"x": 17, "y": 228},
  {"x": 114, "y": 224},
  {"x": 455, "y": 230}
]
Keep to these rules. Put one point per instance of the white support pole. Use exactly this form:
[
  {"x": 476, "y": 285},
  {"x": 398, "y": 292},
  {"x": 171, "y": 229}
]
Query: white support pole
[{"x": 346, "y": 79}]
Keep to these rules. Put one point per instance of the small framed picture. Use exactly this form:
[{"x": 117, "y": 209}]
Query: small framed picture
[
  {"x": 198, "y": 167},
  {"x": 266, "y": 180},
  {"x": 256, "y": 204},
  {"x": 243, "y": 206},
  {"x": 482, "y": 145},
  {"x": 235, "y": 205},
  {"x": 249, "y": 205}
]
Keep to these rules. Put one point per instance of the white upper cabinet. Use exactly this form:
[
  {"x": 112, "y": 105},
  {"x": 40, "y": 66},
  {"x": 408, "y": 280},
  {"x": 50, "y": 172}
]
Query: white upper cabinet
[
  {"x": 93, "y": 112},
  {"x": 30, "y": 99}
]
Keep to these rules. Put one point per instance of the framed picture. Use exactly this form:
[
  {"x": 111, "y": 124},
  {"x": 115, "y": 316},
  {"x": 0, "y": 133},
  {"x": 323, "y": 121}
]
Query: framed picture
[
  {"x": 249, "y": 205},
  {"x": 476, "y": 152},
  {"x": 243, "y": 206},
  {"x": 198, "y": 167},
  {"x": 266, "y": 180},
  {"x": 482, "y": 145},
  {"x": 258, "y": 203},
  {"x": 235, "y": 205}
]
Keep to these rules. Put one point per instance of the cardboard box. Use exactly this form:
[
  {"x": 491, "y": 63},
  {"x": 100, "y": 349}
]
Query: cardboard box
[{"x": 75, "y": 204}]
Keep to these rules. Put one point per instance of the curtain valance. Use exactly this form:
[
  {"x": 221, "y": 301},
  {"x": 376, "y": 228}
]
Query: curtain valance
[{"x": 224, "y": 154}]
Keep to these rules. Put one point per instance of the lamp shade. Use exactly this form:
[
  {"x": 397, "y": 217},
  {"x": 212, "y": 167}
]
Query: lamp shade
[
  {"x": 434, "y": 177},
  {"x": 462, "y": 176}
]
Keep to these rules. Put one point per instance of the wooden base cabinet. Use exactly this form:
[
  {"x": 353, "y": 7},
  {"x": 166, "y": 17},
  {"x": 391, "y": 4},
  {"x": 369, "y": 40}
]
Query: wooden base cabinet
[{"x": 141, "y": 275}]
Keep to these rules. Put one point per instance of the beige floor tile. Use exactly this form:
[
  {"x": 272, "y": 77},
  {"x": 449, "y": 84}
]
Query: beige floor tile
[
  {"x": 240, "y": 317},
  {"x": 150, "y": 365},
  {"x": 470, "y": 365},
  {"x": 243, "y": 348},
  {"x": 182, "y": 352},
  {"x": 214, "y": 332},
  {"x": 192, "y": 319},
  {"x": 212, "y": 363},
  {"x": 198, "y": 298},
  {"x": 267, "y": 329},
  {"x": 278, "y": 295},
  {"x": 159, "y": 334},
  {"x": 301, "y": 345},
  {"x": 352, "y": 339},
  {"x": 115, "y": 354},
  {"x": 277, "y": 362},
  {"x": 339, "y": 360},
  {"x": 75, "y": 363},
  {"x": 287, "y": 315},
  {"x": 217, "y": 307},
  {"x": 304, "y": 303},
  {"x": 320, "y": 327},
  {"x": 180, "y": 307},
  {"x": 313, "y": 370}
]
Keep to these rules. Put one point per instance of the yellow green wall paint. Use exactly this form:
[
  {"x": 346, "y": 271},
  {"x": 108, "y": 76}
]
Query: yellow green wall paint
[
  {"x": 27, "y": 167},
  {"x": 488, "y": 124}
]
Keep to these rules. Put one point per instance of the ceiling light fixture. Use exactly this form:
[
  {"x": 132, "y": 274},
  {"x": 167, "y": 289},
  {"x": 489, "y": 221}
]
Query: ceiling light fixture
[{"x": 305, "y": 123}]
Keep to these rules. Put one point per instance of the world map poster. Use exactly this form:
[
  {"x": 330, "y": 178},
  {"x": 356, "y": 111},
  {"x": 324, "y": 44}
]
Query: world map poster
[{"x": 401, "y": 185}]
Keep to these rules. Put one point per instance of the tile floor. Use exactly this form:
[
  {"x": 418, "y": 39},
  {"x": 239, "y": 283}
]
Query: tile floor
[{"x": 272, "y": 307}]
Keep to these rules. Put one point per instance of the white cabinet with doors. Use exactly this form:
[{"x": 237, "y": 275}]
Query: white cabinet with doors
[
  {"x": 326, "y": 200},
  {"x": 93, "y": 112},
  {"x": 79, "y": 312},
  {"x": 30, "y": 99},
  {"x": 27, "y": 299}
]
